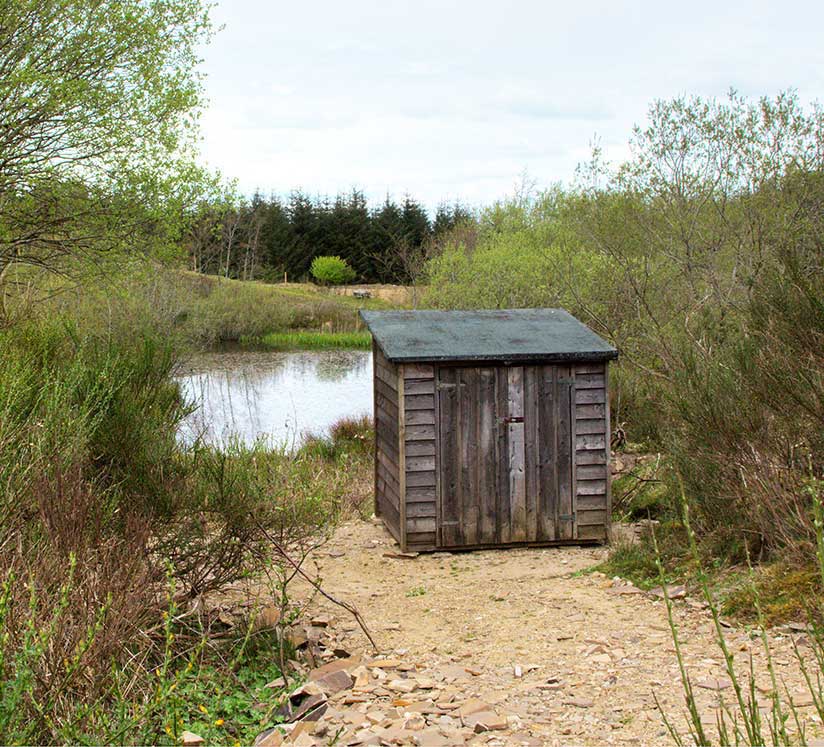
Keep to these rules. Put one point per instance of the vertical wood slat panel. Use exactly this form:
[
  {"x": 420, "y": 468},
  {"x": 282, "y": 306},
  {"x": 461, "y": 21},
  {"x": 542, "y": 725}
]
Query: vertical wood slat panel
[
  {"x": 468, "y": 436},
  {"x": 504, "y": 482},
  {"x": 487, "y": 431},
  {"x": 517, "y": 477},
  {"x": 531, "y": 451},
  {"x": 564, "y": 446},
  {"x": 448, "y": 516},
  {"x": 503, "y": 527},
  {"x": 548, "y": 450}
]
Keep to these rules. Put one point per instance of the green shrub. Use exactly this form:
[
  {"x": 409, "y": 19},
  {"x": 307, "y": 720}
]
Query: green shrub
[
  {"x": 103, "y": 509},
  {"x": 234, "y": 309},
  {"x": 332, "y": 271}
]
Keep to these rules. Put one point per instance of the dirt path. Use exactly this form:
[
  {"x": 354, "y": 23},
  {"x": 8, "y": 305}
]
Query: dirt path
[{"x": 558, "y": 658}]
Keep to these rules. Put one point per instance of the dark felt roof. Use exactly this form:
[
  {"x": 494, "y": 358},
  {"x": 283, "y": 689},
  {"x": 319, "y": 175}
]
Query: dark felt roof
[{"x": 505, "y": 335}]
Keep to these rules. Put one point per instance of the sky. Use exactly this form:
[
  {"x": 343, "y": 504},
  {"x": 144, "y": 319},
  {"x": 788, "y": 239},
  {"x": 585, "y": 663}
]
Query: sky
[{"x": 457, "y": 101}]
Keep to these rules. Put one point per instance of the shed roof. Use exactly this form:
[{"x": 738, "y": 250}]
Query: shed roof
[{"x": 500, "y": 335}]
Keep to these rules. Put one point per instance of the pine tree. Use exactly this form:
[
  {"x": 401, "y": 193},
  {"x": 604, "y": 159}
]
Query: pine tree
[
  {"x": 416, "y": 225},
  {"x": 275, "y": 237},
  {"x": 386, "y": 231},
  {"x": 303, "y": 223}
]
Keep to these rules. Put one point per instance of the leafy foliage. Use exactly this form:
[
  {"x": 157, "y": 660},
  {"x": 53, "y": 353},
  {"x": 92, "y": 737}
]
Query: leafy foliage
[
  {"x": 700, "y": 258},
  {"x": 105, "y": 510},
  {"x": 332, "y": 270},
  {"x": 97, "y": 104}
]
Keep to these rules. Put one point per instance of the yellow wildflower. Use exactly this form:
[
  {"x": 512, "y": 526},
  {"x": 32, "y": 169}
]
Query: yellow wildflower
[
  {"x": 219, "y": 722},
  {"x": 203, "y": 709}
]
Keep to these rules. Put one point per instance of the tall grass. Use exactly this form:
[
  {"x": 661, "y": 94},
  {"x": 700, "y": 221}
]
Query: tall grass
[
  {"x": 740, "y": 720},
  {"x": 231, "y": 310},
  {"x": 303, "y": 340},
  {"x": 198, "y": 310}
]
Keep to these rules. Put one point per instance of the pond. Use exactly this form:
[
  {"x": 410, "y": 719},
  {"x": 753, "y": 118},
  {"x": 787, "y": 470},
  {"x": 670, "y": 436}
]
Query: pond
[{"x": 279, "y": 396}]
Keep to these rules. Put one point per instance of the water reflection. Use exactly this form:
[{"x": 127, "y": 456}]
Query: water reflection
[{"x": 278, "y": 396}]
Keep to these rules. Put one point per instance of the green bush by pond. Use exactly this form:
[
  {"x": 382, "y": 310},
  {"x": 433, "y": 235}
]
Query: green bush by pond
[{"x": 111, "y": 529}]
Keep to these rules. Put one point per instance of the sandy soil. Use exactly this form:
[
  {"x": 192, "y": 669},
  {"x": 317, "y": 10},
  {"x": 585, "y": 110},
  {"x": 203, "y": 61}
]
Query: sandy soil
[{"x": 567, "y": 658}]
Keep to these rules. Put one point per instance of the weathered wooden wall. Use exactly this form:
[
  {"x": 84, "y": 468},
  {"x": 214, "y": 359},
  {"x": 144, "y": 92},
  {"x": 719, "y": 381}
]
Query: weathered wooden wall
[
  {"x": 387, "y": 444},
  {"x": 418, "y": 448},
  {"x": 530, "y": 466},
  {"x": 592, "y": 436},
  {"x": 522, "y": 454},
  {"x": 506, "y": 437}
]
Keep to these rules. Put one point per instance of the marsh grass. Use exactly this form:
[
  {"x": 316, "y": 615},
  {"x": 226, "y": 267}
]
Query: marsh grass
[
  {"x": 311, "y": 340},
  {"x": 196, "y": 310},
  {"x": 740, "y": 721}
]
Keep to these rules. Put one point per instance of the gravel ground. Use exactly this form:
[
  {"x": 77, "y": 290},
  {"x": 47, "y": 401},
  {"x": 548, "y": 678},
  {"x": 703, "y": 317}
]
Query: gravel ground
[{"x": 557, "y": 657}]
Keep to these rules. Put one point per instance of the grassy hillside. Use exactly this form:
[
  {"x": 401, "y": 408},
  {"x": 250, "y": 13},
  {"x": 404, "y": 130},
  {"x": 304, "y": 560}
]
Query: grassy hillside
[{"x": 198, "y": 310}]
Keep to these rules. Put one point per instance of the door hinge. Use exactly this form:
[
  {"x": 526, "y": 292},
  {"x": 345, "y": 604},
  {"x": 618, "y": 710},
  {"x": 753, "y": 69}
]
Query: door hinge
[
  {"x": 445, "y": 386},
  {"x": 567, "y": 517}
]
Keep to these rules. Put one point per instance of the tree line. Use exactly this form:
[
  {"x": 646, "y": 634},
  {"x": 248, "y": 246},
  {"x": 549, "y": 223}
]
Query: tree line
[{"x": 269, "y": 238}]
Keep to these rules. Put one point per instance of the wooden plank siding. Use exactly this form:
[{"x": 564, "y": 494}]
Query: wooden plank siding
[
  {"x": 419, "y": 447},
  {"x": 489, "y": 455},
  {"x": 388, "y": 504},
  {"x": 592, "y": 438}
]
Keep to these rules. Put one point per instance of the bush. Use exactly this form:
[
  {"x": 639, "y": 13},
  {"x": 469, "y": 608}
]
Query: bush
[
  {"x": 233, "y": 310},
  {"x": 720, "y": 326},
  {"x": 106, "y": 514},
  {"x": 332, "y": 271}
]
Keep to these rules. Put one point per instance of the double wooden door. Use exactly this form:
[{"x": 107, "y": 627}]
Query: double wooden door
[{"x": 505, "y": 455}]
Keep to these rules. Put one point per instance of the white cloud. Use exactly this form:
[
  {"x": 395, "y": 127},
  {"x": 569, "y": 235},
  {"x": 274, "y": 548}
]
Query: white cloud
[{"x": 454, "y": 99}]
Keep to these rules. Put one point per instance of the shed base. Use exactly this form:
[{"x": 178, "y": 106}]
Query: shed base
[
  {"x": 510, "y": 546},
  {"x": 413, "y": 547}
]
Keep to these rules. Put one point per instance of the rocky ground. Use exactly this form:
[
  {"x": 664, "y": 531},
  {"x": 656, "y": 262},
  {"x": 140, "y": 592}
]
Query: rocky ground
[{"x": 506, "y": 647}]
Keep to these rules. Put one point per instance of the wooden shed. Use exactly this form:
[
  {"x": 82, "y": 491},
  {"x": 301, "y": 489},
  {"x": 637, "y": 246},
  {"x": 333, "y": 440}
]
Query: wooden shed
[{"x": 492, "y": 428}]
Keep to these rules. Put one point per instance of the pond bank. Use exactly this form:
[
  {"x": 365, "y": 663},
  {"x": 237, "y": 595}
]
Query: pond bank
[{"x": 313, "y": 340}]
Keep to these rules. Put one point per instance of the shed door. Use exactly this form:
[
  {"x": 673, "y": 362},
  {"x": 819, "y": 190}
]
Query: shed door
[{"x": 505, "y": 448}]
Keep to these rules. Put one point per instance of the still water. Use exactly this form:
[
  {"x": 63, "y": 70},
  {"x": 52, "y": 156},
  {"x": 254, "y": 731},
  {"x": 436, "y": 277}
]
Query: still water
[{"x": 279, "y": 396}]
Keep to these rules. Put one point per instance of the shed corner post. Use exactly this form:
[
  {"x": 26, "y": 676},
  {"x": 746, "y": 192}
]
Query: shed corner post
[
  {"x": 376, "y": 503},
  {"x": 401, "y": 459},
  {"x": 608, "y": 450}
]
